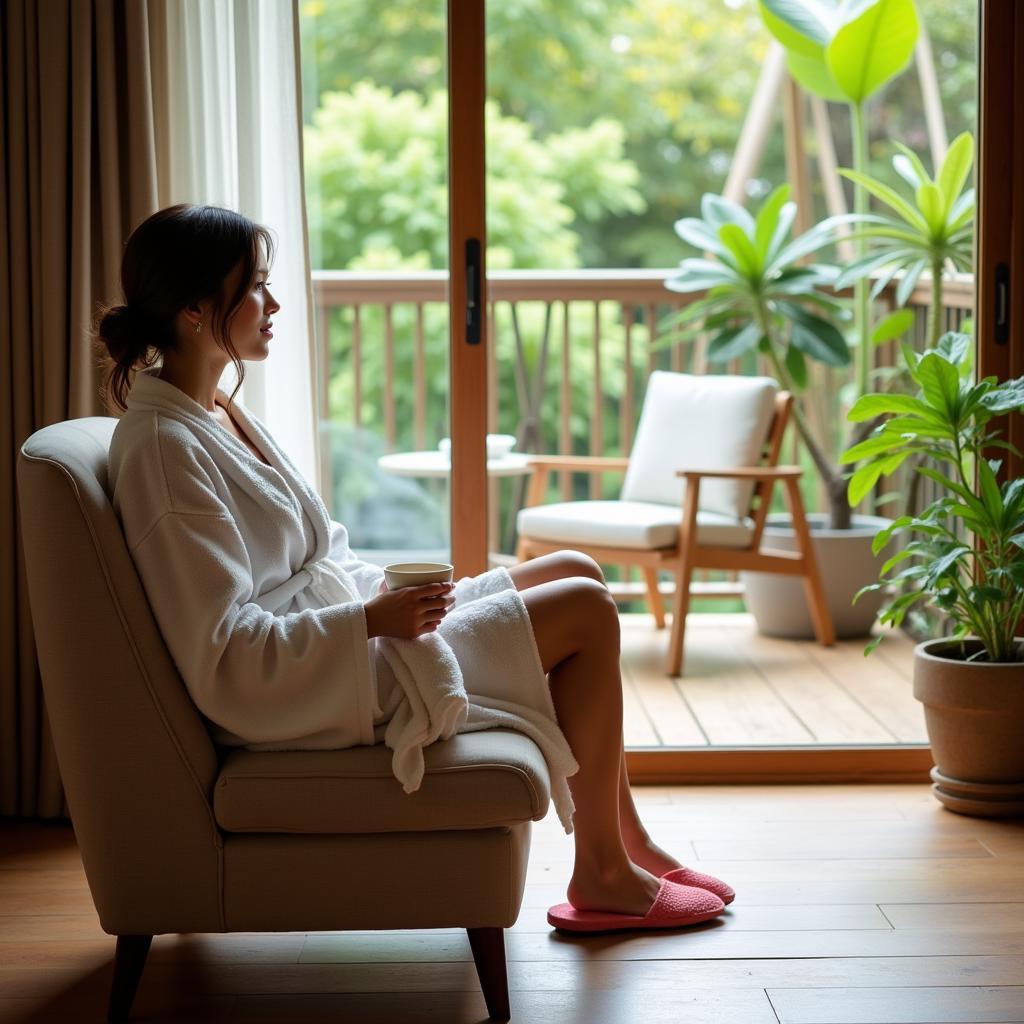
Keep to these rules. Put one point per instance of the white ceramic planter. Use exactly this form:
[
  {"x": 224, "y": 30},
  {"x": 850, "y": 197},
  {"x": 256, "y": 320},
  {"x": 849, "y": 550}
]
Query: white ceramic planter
[
  {"x": 975, "y": 716},
  {"x": 846, "y": 564}
]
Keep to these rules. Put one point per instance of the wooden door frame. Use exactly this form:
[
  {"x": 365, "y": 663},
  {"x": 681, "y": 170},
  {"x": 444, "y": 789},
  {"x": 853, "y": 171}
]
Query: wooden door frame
[
  {"x": 1000, "y": 240},
  {"x": 1000, "y": 220},
  {"x": 467, "y": 87}
]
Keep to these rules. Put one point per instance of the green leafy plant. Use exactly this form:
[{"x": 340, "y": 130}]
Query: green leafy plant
[
  {"x": 931, "y": 230},
  {"x": 759, "y": 297},
  {"x": 845, "y": 51},
  {"x": 969, "y": 558}
]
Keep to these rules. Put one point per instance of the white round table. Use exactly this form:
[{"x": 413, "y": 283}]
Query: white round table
[{"x": 437, "y": 464}]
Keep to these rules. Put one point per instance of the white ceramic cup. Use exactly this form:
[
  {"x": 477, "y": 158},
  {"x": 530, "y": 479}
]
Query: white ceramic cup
[
  {"x": 417, "y": 574},
  {"x": 498, "y": 445}
]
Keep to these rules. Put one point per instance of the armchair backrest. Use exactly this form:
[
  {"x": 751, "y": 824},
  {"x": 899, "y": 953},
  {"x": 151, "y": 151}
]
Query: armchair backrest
[
  {"x": 699, "y": 422},
  {"x": 137, "y": 763}
]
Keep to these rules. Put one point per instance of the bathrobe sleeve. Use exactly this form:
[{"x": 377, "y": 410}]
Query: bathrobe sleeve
[
  {"x": 367, "y": 576},
  {"x": 267, "y": 678}
]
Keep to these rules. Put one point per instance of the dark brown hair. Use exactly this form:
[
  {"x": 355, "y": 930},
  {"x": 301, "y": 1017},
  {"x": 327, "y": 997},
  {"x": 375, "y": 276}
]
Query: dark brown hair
[{"x": 179, "y": 256}]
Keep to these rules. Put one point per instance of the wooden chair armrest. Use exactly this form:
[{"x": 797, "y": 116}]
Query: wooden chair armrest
[
  {"x": 746, "y": 473},
  {"x": 580, "y": 463}
]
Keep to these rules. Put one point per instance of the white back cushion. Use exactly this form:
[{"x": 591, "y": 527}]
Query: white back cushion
[{"x": 699, "y": 422}]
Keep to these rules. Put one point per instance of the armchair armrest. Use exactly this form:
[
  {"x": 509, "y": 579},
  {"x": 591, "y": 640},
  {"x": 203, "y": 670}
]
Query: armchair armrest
[
  {"x": 579, "y": 463},
  {"x": 746, "y": 473},
  {"x": 542, "y": 465}
]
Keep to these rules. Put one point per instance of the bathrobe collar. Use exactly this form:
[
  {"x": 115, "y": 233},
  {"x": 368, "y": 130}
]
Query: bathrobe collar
[{"x": 279, "y": 483}]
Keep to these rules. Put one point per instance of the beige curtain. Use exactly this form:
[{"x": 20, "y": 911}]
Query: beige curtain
[{"x": 78, "y": 170}]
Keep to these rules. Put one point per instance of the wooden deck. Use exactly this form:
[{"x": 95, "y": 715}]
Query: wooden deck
[{"x": 741, "y": 689}]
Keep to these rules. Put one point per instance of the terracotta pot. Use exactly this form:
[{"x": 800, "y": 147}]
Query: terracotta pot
[
  {"x": 975, "y": 717},
  {"x": 845, "y": 562}
]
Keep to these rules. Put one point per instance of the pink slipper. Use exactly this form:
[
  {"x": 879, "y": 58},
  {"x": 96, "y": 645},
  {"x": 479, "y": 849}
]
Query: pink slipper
[
  {"x": 687, "y": 876},
  {"x": 675, "y": 906}
]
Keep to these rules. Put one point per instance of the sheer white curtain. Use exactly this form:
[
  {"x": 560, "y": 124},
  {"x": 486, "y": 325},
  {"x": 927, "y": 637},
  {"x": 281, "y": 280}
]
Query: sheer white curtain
[{"x": 233, "y": 137}]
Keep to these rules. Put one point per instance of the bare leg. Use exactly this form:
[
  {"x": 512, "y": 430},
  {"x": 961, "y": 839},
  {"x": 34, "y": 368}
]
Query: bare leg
[
  {"x": 575, "y": 623},
  {"x": 638, "y": 844}
]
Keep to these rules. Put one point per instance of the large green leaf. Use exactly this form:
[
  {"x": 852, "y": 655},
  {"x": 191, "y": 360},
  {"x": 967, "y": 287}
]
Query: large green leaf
[
  {"x": 932, "y": 205},
  {"x": 887, "y": 195},
  {"x": 695, "y": 232},
  {"x": 739, "y": 244},
  {"x": 796, "y": 366},
  {"x": 955, "y": 168},
  {"x": 876, "y": 445},
  {"x": 693, "y": 279},
  {"x": 873, "y": 261},
  {"x": 962, "y": 212},
  {"x": 813, "y": 74},
  {"x": 816, "y": 337},
  {"x": 873, "y": 47},
  {"x": 717, "y": 211},
  {"x": 919, "y": 174},
  {"x": 990, "y": 492},
  {"x": 954, "y": 346},
  {"x": 867, "y": 407},
  {"x": 785, "y": 223},
  {"x": 893, "y": 326},
  {"x": 908, "y": 170},
  {"x": 767, "y": 221},
  {"x": 803, "y": 26},
  {"x": 909, "y": 282},
  {"x": 940, "y": 383},
  {"x": 822, "y": 234},
  {"x": 732, "y": 343}
]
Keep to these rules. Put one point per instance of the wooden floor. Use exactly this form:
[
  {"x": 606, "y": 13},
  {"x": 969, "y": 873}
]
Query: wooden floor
[
  {"x": 855, "y": 905},
  {"x": 744, "y": 689}
]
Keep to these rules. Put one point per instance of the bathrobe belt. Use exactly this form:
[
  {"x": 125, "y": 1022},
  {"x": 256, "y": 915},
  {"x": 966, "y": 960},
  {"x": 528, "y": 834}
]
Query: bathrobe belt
[{"x": 322, "y": 577}]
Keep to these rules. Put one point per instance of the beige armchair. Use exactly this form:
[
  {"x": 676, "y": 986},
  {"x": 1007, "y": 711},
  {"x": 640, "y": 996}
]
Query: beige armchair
[
  {"x": 697, "y": 489},
  {"x": 179, "y": 836}
]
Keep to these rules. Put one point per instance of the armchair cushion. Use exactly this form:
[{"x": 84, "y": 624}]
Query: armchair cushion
[
  {"x": 627, "y": 524},
  {"x": 699, "y": 422},
  {"x": 475, "y": 780}
]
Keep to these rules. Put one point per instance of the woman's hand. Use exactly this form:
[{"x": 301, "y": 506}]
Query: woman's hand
[{"x": 408, "y": 612}]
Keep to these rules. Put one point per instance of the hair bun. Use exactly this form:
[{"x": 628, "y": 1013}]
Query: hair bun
[{"x": 124, "y": 329}]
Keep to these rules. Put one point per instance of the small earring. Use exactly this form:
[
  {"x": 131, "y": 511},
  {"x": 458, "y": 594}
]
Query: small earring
[{"x": 199, "y": 327}]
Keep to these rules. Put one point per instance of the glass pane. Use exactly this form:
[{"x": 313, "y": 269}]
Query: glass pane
[
  {"x": 376, "y": 137},
  {"x": 608, "y": 122}
]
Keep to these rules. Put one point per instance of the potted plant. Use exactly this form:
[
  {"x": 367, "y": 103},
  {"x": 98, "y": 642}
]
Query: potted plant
[
  {"x": 967, "y": 560},
  {"x": 761, "y": 298},
  {"x": 846, "y": 53}
]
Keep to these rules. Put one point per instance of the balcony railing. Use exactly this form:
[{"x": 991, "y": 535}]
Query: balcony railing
[{"x": 385, "y": 331}]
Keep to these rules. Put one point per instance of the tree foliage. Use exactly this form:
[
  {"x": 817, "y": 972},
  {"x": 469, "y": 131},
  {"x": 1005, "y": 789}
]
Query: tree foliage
[{"x": 377, "y": 182}]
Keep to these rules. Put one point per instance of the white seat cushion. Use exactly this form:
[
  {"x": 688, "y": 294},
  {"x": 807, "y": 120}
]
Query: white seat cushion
[
  {"x": 699, "y": 422},
  {"x": 627, "y": 524}
]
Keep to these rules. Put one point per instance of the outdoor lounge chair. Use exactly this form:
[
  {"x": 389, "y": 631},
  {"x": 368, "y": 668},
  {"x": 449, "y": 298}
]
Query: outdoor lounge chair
[{"x": 698, "y": 486}]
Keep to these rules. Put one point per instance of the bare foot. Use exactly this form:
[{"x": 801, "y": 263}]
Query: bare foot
[
  {"x": 629, "y": 891},
  {"x": 650, "y": 856}
]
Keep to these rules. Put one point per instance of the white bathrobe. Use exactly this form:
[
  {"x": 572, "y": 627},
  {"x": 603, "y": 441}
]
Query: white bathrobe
[{"x": 260, "y": 601}]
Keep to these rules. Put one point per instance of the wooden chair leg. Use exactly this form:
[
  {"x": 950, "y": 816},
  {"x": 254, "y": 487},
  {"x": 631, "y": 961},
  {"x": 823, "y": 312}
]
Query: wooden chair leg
[
  {"x": 654, "y": 601},
  {"x": 522, "y": 550},
  {"x": 817, "y": 604},
  {"x": 129, "y": 960},
  {"x": 488, "y": 945},
  {"x": 680, "y": 606}
]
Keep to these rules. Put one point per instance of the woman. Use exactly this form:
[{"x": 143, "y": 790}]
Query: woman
[{"x": 270, "y": 617}]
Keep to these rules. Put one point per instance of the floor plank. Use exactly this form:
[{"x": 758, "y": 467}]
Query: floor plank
[
  {"x": 898, "y": 1006},
  {"x": 858, "y": 904}
]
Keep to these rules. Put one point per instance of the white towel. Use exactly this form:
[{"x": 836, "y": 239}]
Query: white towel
[{"x": 435, "y": 704}]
